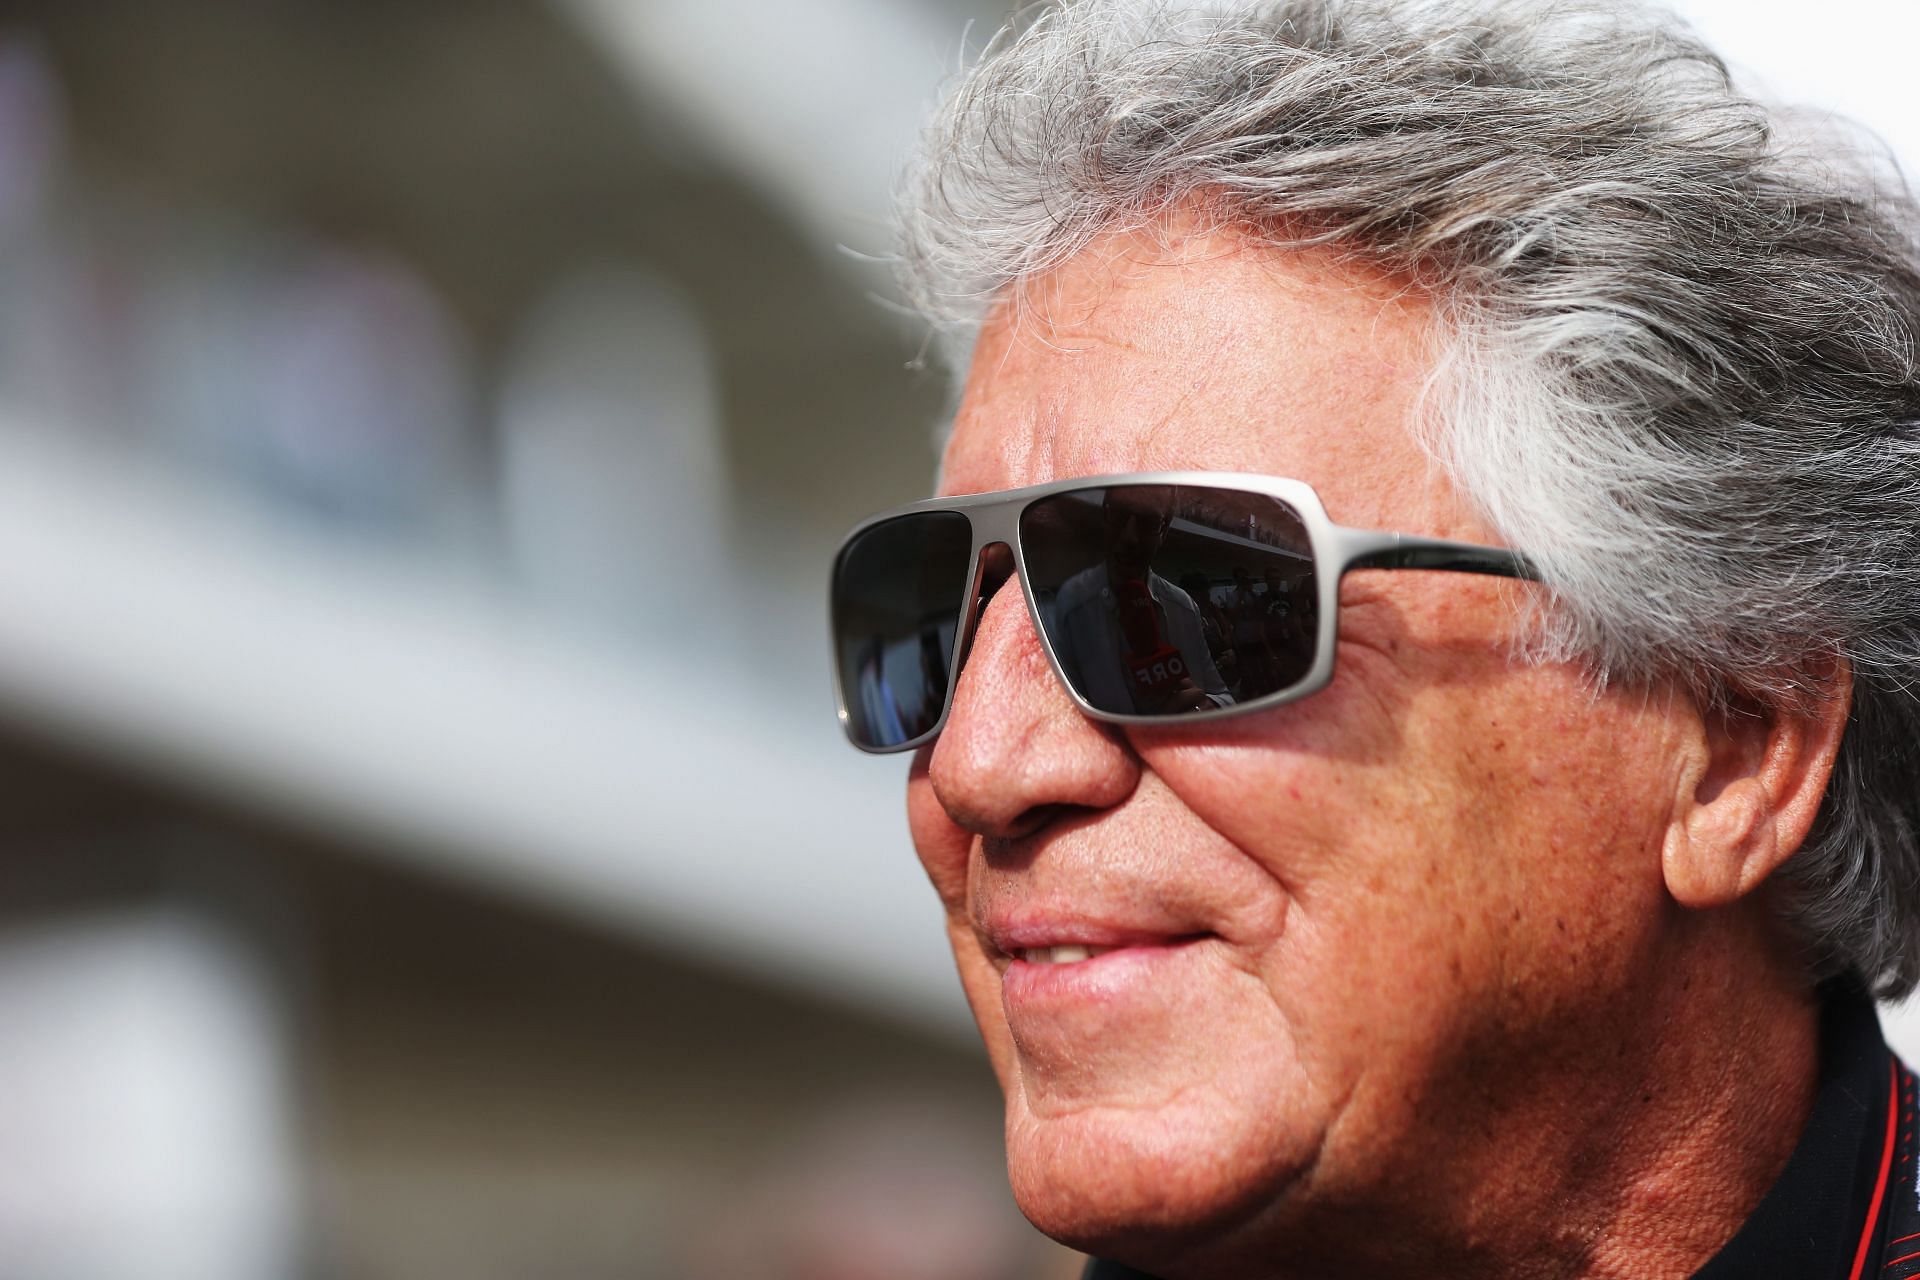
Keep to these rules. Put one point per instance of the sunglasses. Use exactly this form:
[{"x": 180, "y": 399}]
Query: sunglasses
[{"x": 1164, "y": 597}]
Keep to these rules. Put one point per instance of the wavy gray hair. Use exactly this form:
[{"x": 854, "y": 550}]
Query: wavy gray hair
[{"x": 1679, "y": 358}]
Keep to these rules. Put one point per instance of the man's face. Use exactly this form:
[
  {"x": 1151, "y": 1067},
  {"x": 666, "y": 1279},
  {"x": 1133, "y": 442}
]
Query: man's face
[{"x": 1352, "y": 934}]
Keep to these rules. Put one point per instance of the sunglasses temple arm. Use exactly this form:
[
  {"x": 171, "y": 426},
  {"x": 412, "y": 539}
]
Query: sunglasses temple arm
[{"x": 1363, "y": 550}]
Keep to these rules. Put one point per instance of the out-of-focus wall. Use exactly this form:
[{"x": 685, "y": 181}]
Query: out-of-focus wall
[{"x": 238, "y": 1049}]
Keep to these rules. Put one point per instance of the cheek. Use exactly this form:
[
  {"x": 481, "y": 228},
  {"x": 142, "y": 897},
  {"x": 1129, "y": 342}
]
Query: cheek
[
  {"x": 946, "y": 852},
  {"x": 1456, "y": 852},
  {"x": 1527, "y": 786},
  {"x": 944, "y": 847}
]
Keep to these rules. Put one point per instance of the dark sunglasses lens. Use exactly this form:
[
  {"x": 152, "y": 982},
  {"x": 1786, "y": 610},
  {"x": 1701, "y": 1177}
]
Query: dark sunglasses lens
[
  {"x": 897, "y": 592},
  {"x": 1162, "y": 599}
]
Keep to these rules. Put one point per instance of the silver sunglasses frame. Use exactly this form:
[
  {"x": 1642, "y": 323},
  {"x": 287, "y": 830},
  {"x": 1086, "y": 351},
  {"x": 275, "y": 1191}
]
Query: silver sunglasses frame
[{"x": 995, "y": 520}]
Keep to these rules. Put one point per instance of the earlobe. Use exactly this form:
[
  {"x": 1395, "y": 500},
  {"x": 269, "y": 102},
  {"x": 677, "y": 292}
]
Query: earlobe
[{"x": 1753, "y": 785}]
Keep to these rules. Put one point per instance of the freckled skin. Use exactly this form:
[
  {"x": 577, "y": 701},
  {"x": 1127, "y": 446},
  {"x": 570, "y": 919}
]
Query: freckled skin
[{"x": 1447, "y": 985}]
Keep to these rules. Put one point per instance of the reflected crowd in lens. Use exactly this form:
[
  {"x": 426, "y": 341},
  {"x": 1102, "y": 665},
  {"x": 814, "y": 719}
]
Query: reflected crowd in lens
[{"x": 1162, "y": 599}]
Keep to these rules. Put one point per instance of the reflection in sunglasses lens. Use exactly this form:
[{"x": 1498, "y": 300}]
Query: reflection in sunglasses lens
[
  {"x": 897, "y": 592},
  {"x": 1163, "y": 599}
]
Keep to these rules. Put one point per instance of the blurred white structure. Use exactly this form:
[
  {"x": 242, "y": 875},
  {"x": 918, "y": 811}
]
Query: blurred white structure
[
  {"x": 814, "y": 103},
  {"x": 146, "y": 1117},
  {"x": 615, "y": 494},
  {"x": 389, "y": 698}
]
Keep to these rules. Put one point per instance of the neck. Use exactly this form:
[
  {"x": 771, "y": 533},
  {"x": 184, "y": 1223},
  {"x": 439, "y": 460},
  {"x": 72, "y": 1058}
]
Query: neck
[{"x": 1728, "y": 1090}]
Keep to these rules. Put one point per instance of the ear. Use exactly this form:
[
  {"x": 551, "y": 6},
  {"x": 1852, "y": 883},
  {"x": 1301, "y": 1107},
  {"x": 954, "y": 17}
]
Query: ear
[{"x": 1755, "y": 776}]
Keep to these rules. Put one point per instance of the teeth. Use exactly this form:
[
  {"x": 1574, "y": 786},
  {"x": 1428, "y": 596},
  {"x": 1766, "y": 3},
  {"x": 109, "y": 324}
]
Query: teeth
[{"x": 1062, "y": 955}]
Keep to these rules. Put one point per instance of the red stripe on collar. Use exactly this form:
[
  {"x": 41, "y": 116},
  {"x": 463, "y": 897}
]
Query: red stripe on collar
[{"x": 1886, "y": 1163}]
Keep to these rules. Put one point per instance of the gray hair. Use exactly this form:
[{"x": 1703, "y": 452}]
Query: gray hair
[{"x": 1679, "y": 327}]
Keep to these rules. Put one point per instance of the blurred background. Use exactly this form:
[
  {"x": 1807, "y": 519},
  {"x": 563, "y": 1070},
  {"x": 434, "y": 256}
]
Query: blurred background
[{"x": 426, "y": 848}]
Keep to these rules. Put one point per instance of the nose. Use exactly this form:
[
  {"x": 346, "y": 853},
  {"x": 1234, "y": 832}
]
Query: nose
[{"x": 1016, "y": 752}]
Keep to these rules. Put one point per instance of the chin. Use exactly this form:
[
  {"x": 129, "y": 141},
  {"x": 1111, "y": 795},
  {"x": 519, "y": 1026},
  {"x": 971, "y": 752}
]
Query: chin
[
  {"x": 1152, "y": 1184},
  {"x": 1145, "y": 1117}
]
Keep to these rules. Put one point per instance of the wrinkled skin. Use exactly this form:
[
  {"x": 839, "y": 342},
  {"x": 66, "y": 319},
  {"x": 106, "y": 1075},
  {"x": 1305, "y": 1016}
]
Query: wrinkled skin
[{"x": 1439, "y": 967}]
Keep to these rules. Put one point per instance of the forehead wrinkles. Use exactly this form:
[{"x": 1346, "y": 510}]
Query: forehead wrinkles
[
  {"x": 1124, "y": 334},
  {"x": 1091, "y": 402},
  {"x": 1257, "y": 360}
]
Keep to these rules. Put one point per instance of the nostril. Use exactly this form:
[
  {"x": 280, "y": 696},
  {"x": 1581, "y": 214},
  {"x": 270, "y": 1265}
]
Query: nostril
[{"x": 1002, "y": 849}]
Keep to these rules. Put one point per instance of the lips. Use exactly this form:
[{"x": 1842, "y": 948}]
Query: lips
[
  {"x": 1051, "y": 981},
  {"x": 1057, "y": 938},
  {"x": 1080, "y": 953},
  {"x": 1056, "y": 958},
  {"x": 1070, "y": 953}
]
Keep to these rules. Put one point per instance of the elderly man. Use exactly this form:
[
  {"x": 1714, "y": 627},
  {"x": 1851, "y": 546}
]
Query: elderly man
[{"x": 1509, "y": 897}]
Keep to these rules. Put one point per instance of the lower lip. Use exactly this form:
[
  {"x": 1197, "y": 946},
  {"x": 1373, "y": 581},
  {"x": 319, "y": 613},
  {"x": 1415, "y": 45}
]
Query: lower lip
[{"x": 1111, "y": 976}]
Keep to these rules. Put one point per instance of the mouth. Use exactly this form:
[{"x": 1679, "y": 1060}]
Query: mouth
[
  {"x": 1070, "y": 953},
  {"x": 1045, "y": 978},
  {"x": 1079, "y": 953},
  {"x": 1051, "y": 938}
]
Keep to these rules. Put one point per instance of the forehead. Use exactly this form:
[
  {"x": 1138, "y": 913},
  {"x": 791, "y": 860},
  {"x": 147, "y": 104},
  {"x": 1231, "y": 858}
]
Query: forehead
[{"x": 1170, "y": 349}]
